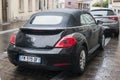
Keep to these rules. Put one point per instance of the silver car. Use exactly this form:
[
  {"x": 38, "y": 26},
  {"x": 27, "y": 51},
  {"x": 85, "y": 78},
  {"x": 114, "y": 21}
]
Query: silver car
[{"x": 109, "y": 18}]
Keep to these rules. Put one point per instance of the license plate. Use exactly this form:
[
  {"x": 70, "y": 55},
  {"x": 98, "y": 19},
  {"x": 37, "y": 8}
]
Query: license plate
[{"x": 29, "y": 59}]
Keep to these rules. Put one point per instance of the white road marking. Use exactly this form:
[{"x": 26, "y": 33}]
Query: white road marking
[
  {"x": 60, "y": 76},
  {"x": 7, "y": 31},
  {"x": 4, "y": 55},
  {"x": 5, "y": 52},
  {"x": 107, "y": 40}
]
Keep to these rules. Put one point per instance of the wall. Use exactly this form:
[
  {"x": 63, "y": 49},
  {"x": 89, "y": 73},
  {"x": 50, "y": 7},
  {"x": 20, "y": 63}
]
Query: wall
[
  {"x": 61, "y": 4},
  {"x": 116, "y": 7},
  {"x": 14, "y": 13},
  {"x": 52, "y": 4},
  {"x": 48, "y": 4}
]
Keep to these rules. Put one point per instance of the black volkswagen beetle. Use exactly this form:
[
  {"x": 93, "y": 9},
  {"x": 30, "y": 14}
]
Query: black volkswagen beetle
[{"x": 61, "y": 39}]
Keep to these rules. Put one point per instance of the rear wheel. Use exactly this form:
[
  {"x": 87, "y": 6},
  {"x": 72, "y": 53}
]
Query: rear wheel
[{"x": 81, "y": 61}]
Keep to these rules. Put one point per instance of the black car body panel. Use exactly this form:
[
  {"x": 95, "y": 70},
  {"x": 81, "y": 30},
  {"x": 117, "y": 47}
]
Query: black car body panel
[{"x": 40, "y": 40}]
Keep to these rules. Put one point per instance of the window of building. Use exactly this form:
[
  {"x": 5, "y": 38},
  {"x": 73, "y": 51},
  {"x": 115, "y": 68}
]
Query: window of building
[
  {"x": 30, "y": 5},
  {"x": 69, "y": 3},
  {"x": 21, "y": 5}
]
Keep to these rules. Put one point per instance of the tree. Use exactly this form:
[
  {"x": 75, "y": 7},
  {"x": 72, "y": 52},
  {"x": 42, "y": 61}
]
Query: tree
[
  {"x": 101, "y": 4},
  {"x": 105, "y": 3},
  {"x": 97, "y": 4}
]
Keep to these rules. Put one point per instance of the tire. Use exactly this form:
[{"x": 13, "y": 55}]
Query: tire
[
  {"x": 102, "y": 42},
  {"x": 81, "y": 59}
]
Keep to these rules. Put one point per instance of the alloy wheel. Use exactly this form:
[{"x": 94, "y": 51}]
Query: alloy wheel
[
  {"x": 103, "y": 40},
  {"x": 82, "y": 60}
]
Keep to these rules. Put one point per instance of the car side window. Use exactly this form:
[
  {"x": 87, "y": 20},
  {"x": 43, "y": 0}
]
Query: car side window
[
  {"x": 82, "y": 20},
  {"x": 88, "y": 19},
  {"x": 110, "y": 12}
]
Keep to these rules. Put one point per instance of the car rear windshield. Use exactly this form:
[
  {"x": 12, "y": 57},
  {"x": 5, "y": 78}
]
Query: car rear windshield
[
  {"x": 102, "y": 12},
  {"x": 47, "y": 20}
]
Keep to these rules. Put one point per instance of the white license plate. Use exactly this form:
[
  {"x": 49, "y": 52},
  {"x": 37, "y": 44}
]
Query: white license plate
[{"x": 29, "y": 59}]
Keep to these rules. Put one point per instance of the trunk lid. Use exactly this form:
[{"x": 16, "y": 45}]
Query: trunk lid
[
  {"x": 106, "y": 19},
  {"x": 38, "y": 38}
]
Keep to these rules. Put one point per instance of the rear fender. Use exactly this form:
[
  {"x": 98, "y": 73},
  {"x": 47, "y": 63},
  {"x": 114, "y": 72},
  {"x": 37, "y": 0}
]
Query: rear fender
[{"x": 81, "y": 40}]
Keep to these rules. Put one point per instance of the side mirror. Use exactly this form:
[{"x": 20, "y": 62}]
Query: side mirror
[{"x": 99, "y": 22}]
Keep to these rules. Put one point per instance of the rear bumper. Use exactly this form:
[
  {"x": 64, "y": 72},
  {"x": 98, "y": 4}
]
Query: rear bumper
[
  {"x": 110, "y": 31},
  {"x": 111, "y": 28},
  {"x": 52, "y": 61}
]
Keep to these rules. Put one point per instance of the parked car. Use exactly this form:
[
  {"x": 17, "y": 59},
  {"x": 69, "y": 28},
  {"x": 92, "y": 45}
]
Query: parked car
[
  {"x": 109, "y": 18},
  {"x": 61, "y": 39}
]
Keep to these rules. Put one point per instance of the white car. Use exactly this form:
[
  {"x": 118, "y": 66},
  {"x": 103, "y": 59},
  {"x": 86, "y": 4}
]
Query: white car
[{"x": 109, "y": 19}]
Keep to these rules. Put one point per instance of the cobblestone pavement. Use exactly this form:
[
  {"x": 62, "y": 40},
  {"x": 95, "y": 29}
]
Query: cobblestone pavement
[
  {"x": 10, "y": 72},
  {"x": 105, "y": 65}
]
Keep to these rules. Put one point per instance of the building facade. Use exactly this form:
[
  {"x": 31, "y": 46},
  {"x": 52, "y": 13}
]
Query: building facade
[
  {"x": 14, "y": 10},
  {"x": 48, "y": 4},
  {"x": 61, "y": 4},
  {"x": 84, "y": 4},
  {"x": 116, "y": 6},
  {"x": 79, "y": 4},
  {"x": 71, "y": 4}
]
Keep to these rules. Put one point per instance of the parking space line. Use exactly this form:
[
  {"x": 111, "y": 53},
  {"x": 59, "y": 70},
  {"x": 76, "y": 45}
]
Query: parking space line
[
  {"x": 7, "y": 31},
  {"x": 4, "y": 55},
  {"x": 107, "y": 40},
  {"x": 60, "y": 76}
]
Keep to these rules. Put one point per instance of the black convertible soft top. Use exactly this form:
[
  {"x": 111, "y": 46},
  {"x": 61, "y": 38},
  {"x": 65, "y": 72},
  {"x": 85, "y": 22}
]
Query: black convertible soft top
[
  {"x": 71, "y": 17},
  {"x": 73, "y": 12}
]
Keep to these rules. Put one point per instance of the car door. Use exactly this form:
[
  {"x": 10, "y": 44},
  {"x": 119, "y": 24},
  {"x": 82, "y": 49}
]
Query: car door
[
  {"x": 87, "y": 32},
  {"x": 93, "y": 29}
]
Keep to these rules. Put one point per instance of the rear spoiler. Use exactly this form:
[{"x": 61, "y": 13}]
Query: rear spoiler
[
  {"x": 42, "y": 28},
  {"x": 49, "y": 28}
]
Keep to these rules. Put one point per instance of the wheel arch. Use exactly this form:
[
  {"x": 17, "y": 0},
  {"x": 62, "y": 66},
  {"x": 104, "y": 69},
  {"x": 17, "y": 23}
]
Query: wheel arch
[{"x": 85, "y": 45}]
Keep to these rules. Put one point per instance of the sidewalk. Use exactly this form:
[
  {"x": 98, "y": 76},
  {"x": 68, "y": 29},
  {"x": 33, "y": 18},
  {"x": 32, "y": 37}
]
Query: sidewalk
[
  {"x": 6, "y": 31},
  {"x": 12, "y": 25}
]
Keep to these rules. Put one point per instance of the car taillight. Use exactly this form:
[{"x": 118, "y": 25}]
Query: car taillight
[
  {"x": 66, "y": 42},
  {"x": 114, "y": 18},
  {"x": 13, "y": 39}
]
